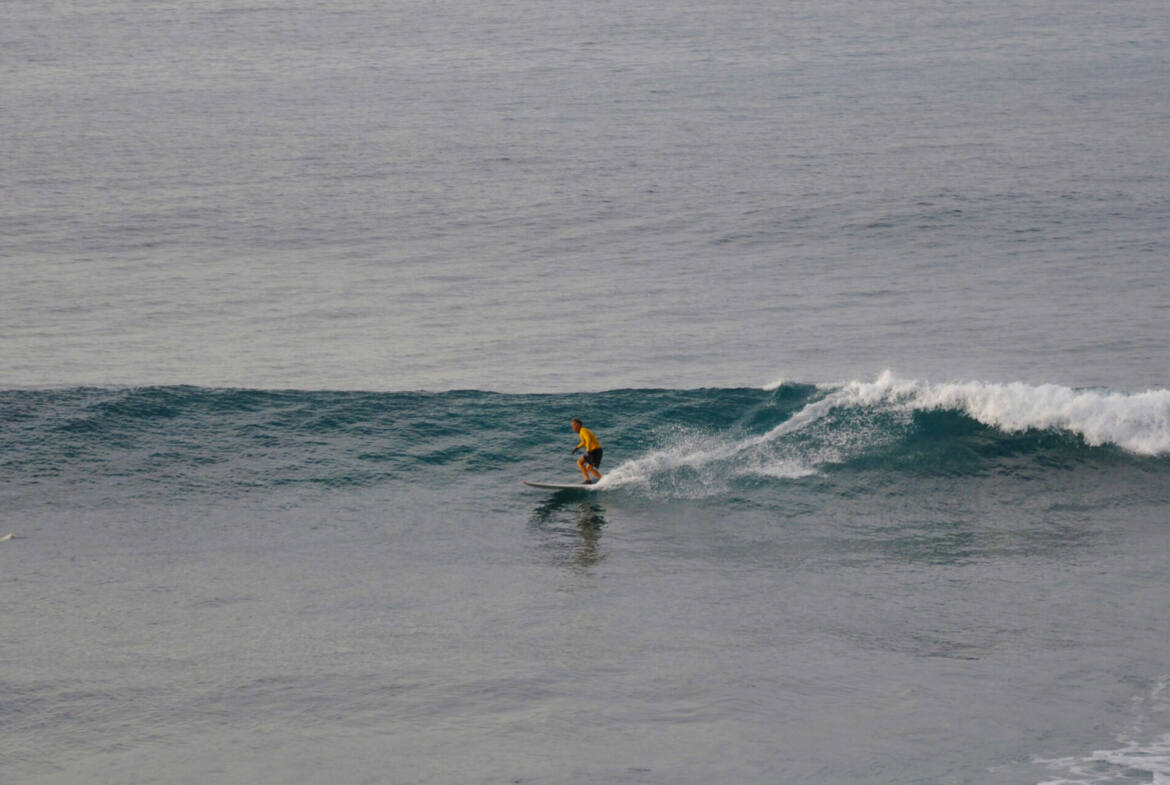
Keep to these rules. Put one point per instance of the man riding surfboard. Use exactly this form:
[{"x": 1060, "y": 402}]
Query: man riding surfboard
[{"x": 591, "y": 460}]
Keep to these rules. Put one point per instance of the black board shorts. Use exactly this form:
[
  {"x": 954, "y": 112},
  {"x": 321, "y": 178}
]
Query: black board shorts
[{"x": 593, "y": 458}]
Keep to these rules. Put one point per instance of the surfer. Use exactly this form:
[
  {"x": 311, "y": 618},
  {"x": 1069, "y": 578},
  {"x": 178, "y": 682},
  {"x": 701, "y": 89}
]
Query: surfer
[{"x": 591, "y": 460}]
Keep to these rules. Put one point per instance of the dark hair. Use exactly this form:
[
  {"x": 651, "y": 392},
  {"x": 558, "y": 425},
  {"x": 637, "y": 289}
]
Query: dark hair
[{"x": 575, "y": 421}]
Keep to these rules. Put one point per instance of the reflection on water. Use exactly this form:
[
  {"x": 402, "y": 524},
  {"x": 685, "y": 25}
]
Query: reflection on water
[{"x": 570, "y": 528}]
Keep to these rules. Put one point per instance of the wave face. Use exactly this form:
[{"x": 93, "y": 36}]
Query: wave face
[{"x": 675, "y": 442}]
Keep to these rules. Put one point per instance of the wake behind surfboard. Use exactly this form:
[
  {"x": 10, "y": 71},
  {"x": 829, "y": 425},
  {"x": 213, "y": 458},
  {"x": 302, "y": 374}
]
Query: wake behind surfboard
[{"x": 562, "y": 486}]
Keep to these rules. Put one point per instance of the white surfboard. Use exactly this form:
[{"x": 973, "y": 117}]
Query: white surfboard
[{"x": 562, "y": 486}]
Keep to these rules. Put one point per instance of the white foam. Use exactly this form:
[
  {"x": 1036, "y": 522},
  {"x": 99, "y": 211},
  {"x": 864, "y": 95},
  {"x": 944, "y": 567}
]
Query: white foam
[
  {"x": 1137, "y": 760},
  {"x": 1137, "y": 422},
  {"x": 715, "y": 461},
  {"x": 1133, "y": 763},
  {"x": 784, "y": 469},
  {"x": 690, "y": 451}
]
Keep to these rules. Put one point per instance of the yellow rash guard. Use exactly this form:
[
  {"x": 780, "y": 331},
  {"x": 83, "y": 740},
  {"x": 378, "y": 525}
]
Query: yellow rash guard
[{"x": 588, "y": 440}]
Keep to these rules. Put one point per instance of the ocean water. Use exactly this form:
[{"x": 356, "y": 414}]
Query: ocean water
[
  {"x": 874, "y": 582},
  {"x": 866, "y": 301},
  {"x": 554, "y": 196}
]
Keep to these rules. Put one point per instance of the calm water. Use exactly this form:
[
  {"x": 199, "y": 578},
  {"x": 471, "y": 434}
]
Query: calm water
[
  {"x": 533, "y": 196},
  {"x": 293, "y": 295}
]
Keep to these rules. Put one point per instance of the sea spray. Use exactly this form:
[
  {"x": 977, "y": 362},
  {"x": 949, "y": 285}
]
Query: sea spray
[{"x": 829, "y": 429}]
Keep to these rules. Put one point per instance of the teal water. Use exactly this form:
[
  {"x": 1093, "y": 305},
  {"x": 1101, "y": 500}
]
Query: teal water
[{"x": 684, "y": 443}]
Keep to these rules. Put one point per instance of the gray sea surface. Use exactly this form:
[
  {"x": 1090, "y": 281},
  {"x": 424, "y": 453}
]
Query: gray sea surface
[{"x": 564, "y": 196}]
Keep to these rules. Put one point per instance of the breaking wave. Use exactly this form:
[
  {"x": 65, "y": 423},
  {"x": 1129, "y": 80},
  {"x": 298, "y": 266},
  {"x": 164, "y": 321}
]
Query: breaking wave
[
  {"x": 681, "y": 442},
  {"x": 859, "y": 422}
]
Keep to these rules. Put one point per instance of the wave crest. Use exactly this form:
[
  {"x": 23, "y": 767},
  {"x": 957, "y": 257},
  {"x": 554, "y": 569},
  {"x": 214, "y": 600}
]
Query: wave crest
[{"x": 1138, "y": 422}]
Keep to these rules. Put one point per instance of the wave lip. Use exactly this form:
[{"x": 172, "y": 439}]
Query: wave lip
[{"x": 1137, "y": 422}]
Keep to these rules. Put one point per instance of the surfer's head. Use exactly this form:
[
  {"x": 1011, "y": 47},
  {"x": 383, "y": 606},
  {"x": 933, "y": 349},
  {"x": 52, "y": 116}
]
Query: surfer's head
[{"x": 576, "y": 425}]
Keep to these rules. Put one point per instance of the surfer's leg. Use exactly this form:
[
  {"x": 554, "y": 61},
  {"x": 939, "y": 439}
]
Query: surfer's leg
[
  {"x": 583, "y": 466},
  {"x": 590, "y": 466},
  {"x": 595, "y": 463}
]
